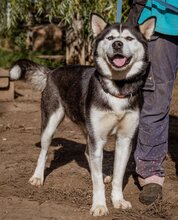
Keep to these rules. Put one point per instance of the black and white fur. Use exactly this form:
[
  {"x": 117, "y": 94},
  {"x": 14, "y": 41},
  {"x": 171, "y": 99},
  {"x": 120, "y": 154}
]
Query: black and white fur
[{"x": 103, "y": 100}]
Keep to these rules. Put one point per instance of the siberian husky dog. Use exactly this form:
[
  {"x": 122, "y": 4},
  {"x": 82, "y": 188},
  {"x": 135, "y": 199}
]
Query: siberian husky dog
[{"x": 102, "y": 99}]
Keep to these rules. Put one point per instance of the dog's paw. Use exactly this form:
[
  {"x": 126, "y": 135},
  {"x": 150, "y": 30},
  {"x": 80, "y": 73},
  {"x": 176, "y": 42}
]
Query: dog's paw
[
  {"x": 35, "y": 181},
  {"x": 99, "y": 210},
  {"x": 122, "y": 204},
  {"x": 107, "y": 179}
]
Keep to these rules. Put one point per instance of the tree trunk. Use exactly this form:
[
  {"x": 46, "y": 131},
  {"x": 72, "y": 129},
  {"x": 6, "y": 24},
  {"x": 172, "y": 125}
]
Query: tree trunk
[
  {"x": 75, "y": 44},
  {"x": 8, "y": 14}
]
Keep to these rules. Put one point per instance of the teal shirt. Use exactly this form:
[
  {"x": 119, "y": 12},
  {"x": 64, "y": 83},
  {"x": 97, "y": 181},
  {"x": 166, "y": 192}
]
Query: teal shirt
[{"x": 167, "y": 19}]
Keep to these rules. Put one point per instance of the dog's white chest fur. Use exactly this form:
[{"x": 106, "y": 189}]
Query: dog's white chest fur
[
  {"x": 118, "y": 105},
  {"x": 109, "y": 121}
]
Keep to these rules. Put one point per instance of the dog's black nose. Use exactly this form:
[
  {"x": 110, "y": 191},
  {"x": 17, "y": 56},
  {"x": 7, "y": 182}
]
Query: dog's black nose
[{"x": 117, "y": 45}]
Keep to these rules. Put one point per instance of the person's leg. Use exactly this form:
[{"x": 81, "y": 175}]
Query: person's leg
[{"x": 152, "y": 143}]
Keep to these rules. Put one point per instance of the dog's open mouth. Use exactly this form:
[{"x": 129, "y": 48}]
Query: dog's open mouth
[{"x": 119, "y": 60}]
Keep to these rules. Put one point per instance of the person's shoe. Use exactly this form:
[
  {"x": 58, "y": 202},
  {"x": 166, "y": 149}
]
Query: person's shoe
[{"x": 151, "y": 193}]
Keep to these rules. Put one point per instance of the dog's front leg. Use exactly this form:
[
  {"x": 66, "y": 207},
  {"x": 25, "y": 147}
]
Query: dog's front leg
[
  {"x": 122, "y": 153},
  {"x": 123, "y": 149},
  {"x": 99, "y": 207}
]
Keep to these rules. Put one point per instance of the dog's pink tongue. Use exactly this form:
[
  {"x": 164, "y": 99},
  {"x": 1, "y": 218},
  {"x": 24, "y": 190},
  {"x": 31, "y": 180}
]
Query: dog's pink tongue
[{"x": 119, "y": 61}]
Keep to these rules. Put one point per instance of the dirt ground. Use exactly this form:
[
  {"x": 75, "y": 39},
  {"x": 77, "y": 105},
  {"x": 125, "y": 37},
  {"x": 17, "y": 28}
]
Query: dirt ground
[{"x": 66, "y": 194}]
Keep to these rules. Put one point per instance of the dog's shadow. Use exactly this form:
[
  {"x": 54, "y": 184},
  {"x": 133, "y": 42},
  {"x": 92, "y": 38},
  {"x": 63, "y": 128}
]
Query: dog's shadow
[
  {"x": 69, "y": 150},
  {"x": 73, "y": 151}
]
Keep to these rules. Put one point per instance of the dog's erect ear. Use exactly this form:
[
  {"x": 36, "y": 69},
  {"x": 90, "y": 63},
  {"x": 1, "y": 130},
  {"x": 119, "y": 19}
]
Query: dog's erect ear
[
  {"x": 97, "y": 24},
  {"x": 147, "y": 27}
]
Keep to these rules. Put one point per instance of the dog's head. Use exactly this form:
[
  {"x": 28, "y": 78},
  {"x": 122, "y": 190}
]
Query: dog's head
[{"x": 120, "y": 50}]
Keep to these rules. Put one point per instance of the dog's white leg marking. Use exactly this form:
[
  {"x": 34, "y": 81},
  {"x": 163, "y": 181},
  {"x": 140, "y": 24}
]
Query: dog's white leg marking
[
  {"x": 87, "y": 154},
  {"x": 107, "y": 179},
  {"x": 38, "y": 177},
  {"x": 122, "y": 154},
  {"x": 102, "y": 123},
  {"x": 95, "y": 160}
]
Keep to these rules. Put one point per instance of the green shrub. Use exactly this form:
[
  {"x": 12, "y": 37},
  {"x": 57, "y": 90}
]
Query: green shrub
[{"x": 8, "y": 57}]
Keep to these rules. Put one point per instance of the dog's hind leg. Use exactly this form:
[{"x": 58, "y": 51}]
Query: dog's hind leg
[{"x": 52, "y": 121}]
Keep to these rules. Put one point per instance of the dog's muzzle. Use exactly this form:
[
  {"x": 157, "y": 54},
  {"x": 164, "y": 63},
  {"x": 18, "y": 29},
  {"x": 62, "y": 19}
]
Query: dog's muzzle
[{"x": 119, "y": 60}]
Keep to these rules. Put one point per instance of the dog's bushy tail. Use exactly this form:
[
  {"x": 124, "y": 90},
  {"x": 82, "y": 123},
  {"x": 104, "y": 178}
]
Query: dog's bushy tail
[{"x": 32, "y": 72}]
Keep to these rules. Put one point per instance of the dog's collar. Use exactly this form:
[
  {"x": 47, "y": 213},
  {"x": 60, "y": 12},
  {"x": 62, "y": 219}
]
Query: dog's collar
[{"x": 120, "y": 94}]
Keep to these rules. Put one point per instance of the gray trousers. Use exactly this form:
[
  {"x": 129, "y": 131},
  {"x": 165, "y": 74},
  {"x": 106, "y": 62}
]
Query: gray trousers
[{"x": 152, "y": 142}]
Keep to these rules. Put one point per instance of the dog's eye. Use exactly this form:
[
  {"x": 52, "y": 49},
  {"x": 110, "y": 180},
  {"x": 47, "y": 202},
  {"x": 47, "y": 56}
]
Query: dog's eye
[
  {"x": 129, "y": 38},
  {"x": 110, "y": 38}
]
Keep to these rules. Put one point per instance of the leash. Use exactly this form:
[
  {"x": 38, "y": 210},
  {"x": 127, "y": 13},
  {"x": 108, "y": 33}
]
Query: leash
[{"x": 119, "y": 11}]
